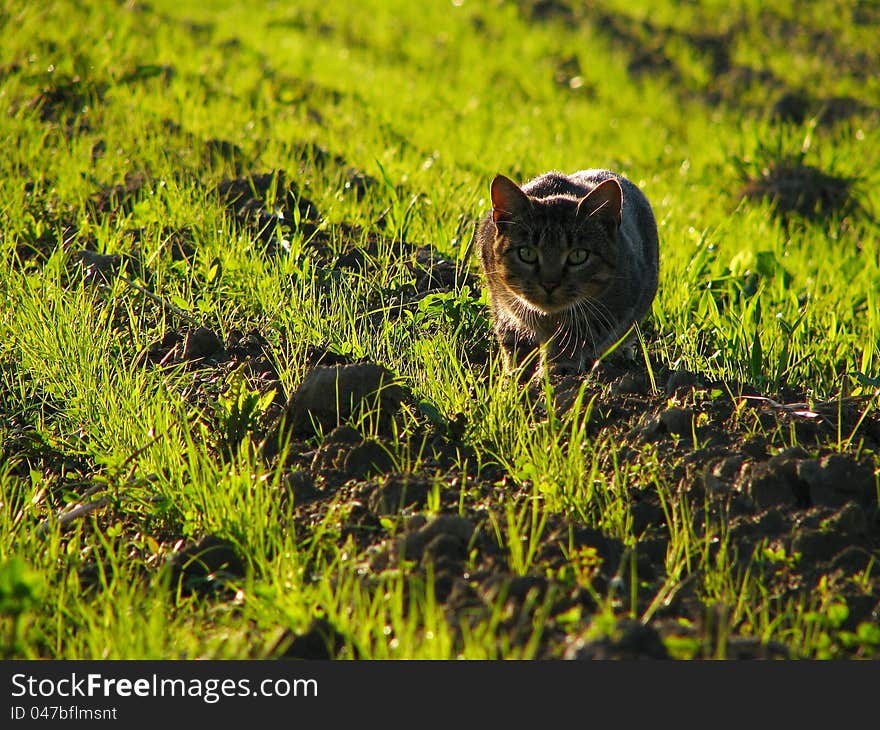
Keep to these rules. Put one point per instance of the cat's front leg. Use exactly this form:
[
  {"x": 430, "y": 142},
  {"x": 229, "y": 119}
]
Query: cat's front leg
[{"x": 519, "y": 351}]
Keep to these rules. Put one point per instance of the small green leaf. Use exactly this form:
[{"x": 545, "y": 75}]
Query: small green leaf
[
  {"x": 571, "y": 616},
  {"x": 20, "y": 587},
  {"x": 868, "y": 633},
  {"x": 180, "y": 302},
  {"x": 215, "y": 271},
  {"x": 837, "y": 614},
  {"x": 266, "y": 400},
  {"x": 434, "y": 415}
]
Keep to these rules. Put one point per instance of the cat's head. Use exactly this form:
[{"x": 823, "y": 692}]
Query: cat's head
[{"x": 554, "y": 253}]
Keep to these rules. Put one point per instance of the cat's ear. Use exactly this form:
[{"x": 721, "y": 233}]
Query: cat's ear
[
  {"x": 604, "y": 201},
  {"x": 508, "y": 200}
]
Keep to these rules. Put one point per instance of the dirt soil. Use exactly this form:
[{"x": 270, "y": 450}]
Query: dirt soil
[{"x": 819, "y": 508}]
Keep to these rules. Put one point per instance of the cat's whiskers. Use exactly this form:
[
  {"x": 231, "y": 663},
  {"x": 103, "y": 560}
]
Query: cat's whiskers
[
  {"x": 608, "y": 322},
  {"x": 573, "y": 319},
  {"x": 576, "y": 327},
  {"x": 594, "y": 313},
  {"x": 601, "y": 311},
  {"x": 526, "y": 306},
  {"x": 524, "y": 312},
  {"x": 584, "y": 305}
]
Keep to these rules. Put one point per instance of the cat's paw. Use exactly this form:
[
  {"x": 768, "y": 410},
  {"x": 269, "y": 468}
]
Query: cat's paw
[
  {"x": 524, "y": 375},
  {"x": 538, "y": 375},
  {"x": 562, "y": 369}
]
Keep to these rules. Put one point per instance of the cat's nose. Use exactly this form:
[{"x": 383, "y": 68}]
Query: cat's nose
[{"x": 549, "y": 286}]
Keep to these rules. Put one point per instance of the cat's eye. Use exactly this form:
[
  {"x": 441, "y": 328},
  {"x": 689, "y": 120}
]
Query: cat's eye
[
  {"x": 527, "y": 254},
  {"x": 578, "y": 256}
]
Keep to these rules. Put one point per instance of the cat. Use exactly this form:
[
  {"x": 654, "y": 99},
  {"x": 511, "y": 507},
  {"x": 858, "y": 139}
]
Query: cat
[{"x": 571, "y": 263}]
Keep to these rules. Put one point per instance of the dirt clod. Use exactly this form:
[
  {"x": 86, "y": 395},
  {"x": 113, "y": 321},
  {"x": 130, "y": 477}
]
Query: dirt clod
[
  {"x": 300, "y": 485},
  {"x": 368, "y": 458},
  {"x": 96, "y": 266},
  {"x": 120, "y": 198},
  {"x": 201, "y": 342},
  {"x": 321, "y": 640},
  {"x": 329, "y": 395},
  {"x": 677, "y": 421},
  {"x": 265, "y": 203},
  {"x": 444, "y": 535},
  {"x": 631, "y": 640},
  {"x": 796, "y": 189},
  {"x": 773, "y": 483},
  {"x": 186, "y": 344},
  {"x": 836, "y": 478},
  {"x": 398, "y": 492},
  {"x": 203, "y": 567}
]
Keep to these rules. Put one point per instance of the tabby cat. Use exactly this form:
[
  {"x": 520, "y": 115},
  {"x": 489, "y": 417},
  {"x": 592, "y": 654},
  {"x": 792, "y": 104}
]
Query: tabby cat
[{"x": 571, "y": 263}]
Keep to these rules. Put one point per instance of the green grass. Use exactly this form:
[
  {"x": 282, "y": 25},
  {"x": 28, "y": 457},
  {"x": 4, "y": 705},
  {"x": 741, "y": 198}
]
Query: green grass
[{"x": 430, "y": 101}]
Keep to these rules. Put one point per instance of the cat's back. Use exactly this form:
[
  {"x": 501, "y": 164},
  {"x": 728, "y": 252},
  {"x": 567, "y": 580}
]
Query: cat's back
[{"x": 581, "y": 183}]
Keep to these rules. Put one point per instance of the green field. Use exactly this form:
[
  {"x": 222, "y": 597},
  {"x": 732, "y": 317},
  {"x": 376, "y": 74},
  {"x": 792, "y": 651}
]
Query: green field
[{"x": 201, "y": 202}]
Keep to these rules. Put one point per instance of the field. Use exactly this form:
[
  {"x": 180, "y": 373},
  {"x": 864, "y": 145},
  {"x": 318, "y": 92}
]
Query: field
[{"x": 250, "y": 401}]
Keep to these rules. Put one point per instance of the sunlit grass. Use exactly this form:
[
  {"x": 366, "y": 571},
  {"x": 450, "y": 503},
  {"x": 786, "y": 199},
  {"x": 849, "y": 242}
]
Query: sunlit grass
[{"x": 429, "y": 102}]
